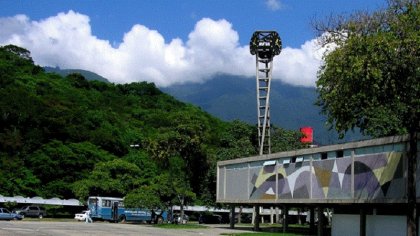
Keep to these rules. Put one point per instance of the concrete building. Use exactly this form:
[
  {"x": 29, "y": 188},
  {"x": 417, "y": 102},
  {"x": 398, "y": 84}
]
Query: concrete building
[{"x": 364, "y": 183}]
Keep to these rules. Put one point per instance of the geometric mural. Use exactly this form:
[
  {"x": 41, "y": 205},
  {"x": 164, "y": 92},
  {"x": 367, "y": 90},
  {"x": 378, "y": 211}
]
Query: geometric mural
[
  {"x": 266, "y": 182},
  {"x": 379, "y": 177},
  {"x": 371, "y": 176}
]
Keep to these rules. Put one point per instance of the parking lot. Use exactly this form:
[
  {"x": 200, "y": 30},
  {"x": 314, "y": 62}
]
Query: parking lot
[{"x": 70, "y": 228}]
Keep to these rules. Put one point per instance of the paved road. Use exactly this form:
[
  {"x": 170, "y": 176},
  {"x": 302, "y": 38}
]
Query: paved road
[{"x": 47, "y": 228}]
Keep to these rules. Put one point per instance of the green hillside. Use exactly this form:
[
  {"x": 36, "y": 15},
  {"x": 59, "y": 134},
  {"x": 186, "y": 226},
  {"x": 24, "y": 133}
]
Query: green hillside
[{"x": 69, "y": 137}]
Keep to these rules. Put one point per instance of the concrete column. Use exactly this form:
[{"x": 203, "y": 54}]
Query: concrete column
[
  {"x": 253, "y": 215},
  {"x": 312, "y": 219},
  {"x": 320, "y": 221},
  {"x": 257, "y": 218},
  {"x": 285, "y": 216},
  {"x": 277, "y": 215},
  {"x": 232, "y": 217},
  {"x": 299, "y": 219},
  {"x": 271, "y": 215},
  {"x": 261, "y": 209},
  {"x": 240, "y": 215},
  {"x": 362, "y": 222},
  {"x": 417, "y": 222}
]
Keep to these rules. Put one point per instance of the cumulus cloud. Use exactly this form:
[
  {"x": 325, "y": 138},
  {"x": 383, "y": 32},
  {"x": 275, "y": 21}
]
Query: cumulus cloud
[
  {"x": 299, "y": 66},
  {"x": 212, "y": 47}
]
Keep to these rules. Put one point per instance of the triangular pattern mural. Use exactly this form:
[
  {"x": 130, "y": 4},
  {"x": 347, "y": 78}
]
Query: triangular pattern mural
[{"x": 371, "y": 176}]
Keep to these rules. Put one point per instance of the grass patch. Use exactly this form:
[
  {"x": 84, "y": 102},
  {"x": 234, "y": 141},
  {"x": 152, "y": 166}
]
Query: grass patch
[{"x": 180, "y": 226}]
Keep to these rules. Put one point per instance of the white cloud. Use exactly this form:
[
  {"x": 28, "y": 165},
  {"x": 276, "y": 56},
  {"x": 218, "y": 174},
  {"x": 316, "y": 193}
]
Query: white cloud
[
  {"x": 299, "y": 66},
  {"x": 66, "y": 40},
  {"x": 273, "y": 5}
]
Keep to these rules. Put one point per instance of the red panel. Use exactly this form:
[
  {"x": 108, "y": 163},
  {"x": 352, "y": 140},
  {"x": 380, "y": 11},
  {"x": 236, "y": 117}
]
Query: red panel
[{"x": 307, "y": 134}]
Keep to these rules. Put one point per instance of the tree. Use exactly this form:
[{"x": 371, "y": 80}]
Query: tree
[
  {"x": 58, "y": 165},
  {"x": 285, "y": 140},
  {"x": 112, "y": 178},
  {"x": 239, "y": 140},
  {"x": 171, "y": 186},
  {"x": 145, "y": 196},
  {"x": 18, "y": 51},
  {"x": 17, "y": 179},
  {"x": 371, "y": 79},
  {"x": 180, "y": 183}
]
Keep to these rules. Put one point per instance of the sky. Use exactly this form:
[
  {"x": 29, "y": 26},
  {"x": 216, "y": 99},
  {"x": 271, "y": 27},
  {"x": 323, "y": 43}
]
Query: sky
[{"x": 170, "y": 41}]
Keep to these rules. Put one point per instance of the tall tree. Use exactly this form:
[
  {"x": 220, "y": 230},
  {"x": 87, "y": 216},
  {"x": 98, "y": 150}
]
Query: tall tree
[{"x": 371, "y": 79}]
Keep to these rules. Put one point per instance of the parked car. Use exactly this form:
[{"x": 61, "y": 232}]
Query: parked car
[
  {"x": 210, "y": 219},
  {"x": 80, "y": 216},
  {"x": 32, "y": 211},
  {"x": 7, "y": 215}
]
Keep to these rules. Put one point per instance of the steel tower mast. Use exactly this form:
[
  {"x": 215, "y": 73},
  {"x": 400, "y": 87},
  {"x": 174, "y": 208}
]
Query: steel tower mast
[{"x": 264, "y": 45}]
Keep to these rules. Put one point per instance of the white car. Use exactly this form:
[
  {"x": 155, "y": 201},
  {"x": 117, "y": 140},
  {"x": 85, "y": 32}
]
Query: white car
[{"x": 80, "y": 216}]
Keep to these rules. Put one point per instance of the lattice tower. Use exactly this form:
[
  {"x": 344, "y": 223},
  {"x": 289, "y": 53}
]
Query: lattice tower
[{"x": 264, "y": 45}]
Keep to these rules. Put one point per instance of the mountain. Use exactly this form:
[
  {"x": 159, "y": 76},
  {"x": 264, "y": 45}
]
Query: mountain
[
  {"x": 58, "y": 134},
  {"x": 234, "y": 97},
  {"x": 87, "y": 74}
]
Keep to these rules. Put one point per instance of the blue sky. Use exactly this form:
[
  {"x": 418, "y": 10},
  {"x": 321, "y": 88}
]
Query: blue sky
[{"x": 169, "y": 41}]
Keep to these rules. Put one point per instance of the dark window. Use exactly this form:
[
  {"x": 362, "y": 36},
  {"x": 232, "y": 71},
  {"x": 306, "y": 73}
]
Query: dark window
[
  {"x": 324, "y": 156},
  {"x": 340, "y": 153}
]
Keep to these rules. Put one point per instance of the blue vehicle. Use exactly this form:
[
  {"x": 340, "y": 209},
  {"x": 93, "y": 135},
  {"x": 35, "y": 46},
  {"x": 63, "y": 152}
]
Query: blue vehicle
[
  {"x": 112, "y": 209},
  {"x": 7, "y": 215}
]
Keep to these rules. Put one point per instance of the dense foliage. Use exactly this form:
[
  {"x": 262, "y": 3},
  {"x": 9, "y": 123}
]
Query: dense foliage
[
  {"x": 69, "y": 137},
  {"x": 371, "y": 80}
]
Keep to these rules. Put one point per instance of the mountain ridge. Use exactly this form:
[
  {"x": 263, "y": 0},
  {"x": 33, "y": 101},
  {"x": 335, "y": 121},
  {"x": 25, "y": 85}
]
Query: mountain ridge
[
  {"x": 234, "y": 97},
  {"x": 89, "y": 75}
]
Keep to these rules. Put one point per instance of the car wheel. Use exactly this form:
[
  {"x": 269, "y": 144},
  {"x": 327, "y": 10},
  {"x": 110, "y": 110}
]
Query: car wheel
[{"x": 122, "y": 219}]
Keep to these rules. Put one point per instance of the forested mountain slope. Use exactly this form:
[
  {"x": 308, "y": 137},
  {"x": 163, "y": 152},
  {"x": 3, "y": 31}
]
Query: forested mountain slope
[{"x": 68, "y": 137}]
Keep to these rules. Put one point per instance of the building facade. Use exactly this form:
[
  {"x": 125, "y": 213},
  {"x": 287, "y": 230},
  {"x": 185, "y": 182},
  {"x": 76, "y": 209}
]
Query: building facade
[{"x": 368, "y": 175}]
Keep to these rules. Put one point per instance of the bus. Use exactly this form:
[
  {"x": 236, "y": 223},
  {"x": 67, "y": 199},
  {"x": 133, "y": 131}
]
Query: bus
[{"x": 112, "y": 209}]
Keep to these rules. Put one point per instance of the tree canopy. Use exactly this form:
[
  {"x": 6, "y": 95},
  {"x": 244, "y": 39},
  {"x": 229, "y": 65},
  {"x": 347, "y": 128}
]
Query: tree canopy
[{"x": 371, "y": 77}]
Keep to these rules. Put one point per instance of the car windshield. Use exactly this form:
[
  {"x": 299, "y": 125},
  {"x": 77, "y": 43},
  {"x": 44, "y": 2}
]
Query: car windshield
[{"x": 6, "y": 211}]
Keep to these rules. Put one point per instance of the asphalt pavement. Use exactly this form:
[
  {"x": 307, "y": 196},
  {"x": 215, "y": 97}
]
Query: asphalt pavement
[{"x": 70, "y": 228}]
